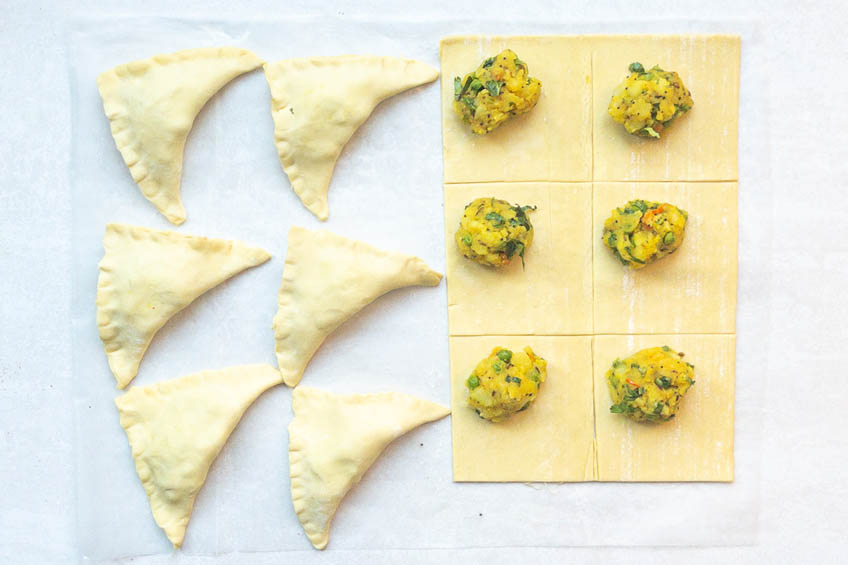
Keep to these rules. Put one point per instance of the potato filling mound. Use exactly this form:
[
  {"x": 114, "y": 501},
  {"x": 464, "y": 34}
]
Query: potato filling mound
[
  {"x": 647, "y": 102},
  {"x": 499, "y": 89},
  {"x": 642, "y": 232},
  {"x": 505, "y": 382},
  {"x": 493, "y": 232},
  {"x": 648, "y": 385}
]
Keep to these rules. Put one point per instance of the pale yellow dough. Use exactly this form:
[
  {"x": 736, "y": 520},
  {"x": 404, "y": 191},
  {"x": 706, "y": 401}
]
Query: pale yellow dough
[
  {"x": 176, "y": 429},
  {"x": 697, "y": 445},
  {"x": 334, "y": 439},
  {"x": 327, "y": 279},
  {"x": 318, "y": 103},
  {"x": 572, "y": 285},
  {"x": 702, "y": 144},
  {"x": 552, "y": 440},
  {"x": 551, "y": 142},
  {"x": 151, "y": 106},
  {"x": 691, "y": 291},
  {"x": 552, "y": 292},
  {"x": 147, "y": 276}
]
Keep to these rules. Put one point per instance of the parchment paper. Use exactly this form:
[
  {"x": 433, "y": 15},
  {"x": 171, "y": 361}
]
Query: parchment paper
[{"x": 387, "y": 191}]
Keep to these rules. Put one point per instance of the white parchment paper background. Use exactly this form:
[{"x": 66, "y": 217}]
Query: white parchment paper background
[{"x": 386, "y": 191}]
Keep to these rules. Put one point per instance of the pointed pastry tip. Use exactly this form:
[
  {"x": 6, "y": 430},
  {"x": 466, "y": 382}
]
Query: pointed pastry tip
[
  {"x": 426, "y": 73},
  {"x": 320, "y": 210},
  {"x": 176, "y": 219},
  {"x": 259, "y": 255}
]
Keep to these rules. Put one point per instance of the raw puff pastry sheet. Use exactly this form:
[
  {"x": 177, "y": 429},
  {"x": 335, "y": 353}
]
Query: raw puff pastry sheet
[
  {"x": 572, "y": 285},
  {"x": 551, "y": 293}
]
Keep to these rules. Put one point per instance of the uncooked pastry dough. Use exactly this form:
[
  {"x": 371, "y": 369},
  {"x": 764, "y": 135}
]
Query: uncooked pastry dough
[
  {"x": 326, "y": 280},
  {"x": 702, "y": 145},
  {"x": 551, "y": 143},
  {"x": 334, "y": 439},
  {"x": 147, "y": 276},
  {"x": 569, "y": 136},
  {"x": 692, "y": 290},
  {"x": 317, "y": 105},
  {"x": 176, "y": 429},
  {"x": 552, "y": 441},
  {"x": 697, "y": 445},
  {"x": 151, "y": 106},
  {"x": 551, "y": 294}
]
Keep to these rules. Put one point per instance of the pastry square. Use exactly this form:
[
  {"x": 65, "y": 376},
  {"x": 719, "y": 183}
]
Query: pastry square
[
  {"x": 691, "y": 291},
  {"x": 550, "y": 441},
  {"x": 552, "y": 293},
  {"x": 697, "y": 445},
  {"x": 702, "y": 144},
  {"x": 552, "y": 142}
]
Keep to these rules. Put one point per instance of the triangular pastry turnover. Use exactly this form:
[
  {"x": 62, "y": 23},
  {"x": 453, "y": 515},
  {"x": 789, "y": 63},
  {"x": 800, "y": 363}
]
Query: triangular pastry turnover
[
  {"x": 327, "y": 279},
  {"x": 334, "y": 439},
  {"x": 317, "y": 105},
  {"x": 176, "y": 429},
  {"x": 147, "y": 276},
  {"x": 151, "y": 106}
]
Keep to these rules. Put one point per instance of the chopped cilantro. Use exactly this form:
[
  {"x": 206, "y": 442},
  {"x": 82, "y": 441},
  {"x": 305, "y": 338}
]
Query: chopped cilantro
[
  {"x": 493, "y": 87},
  {"x": 496, "y": 219},
  {"x": 622, "y": 408},
  {"x": 513, "y": 246},
  {"x": 634, "y": 393},
  {"x": 640, "y": 204},
  {"x": 663, "y": 382},
  {"x": 465, "y": 86}
]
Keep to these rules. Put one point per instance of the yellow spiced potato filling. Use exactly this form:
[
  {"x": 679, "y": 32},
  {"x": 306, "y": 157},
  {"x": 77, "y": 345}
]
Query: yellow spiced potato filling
[
  {"x": 493, "y": 232},
  {"x": 647, "y": 102},
  {"x": 648, "y": 386},
  {"x": 642, "y": 232},
  {"x": 499, "y": 89},
  {"x": 505, "y": 382}
]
